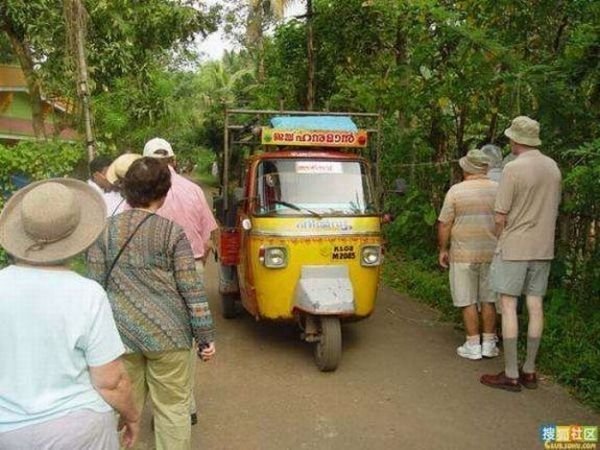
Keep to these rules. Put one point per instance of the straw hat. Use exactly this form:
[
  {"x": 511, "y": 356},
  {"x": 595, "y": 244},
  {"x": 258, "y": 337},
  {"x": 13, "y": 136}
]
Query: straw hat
[
  {"x": 52, "y": 220},
  {"x": 155, "y": 148},
  {"x": 524, "y": 130},
  {"x": 120, "y": 166},
  {"x": 475, "y": 162}
]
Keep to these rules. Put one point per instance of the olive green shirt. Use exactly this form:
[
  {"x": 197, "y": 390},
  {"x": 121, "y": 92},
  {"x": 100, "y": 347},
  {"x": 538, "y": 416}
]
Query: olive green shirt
[{"x": 529, "y": 194}]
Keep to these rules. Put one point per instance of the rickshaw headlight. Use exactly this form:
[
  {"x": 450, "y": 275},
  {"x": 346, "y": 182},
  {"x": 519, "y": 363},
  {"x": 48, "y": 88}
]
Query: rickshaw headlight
[
  {"x": 371, "y": 255},
  {"x": 275, "y": 257}
]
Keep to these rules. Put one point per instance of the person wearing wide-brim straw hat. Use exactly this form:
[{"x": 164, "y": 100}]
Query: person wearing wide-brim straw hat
[
  {"x": 61, "y": 373},
  {"x": 466, "y": 225},
  {"x": 526, "y": 210}
]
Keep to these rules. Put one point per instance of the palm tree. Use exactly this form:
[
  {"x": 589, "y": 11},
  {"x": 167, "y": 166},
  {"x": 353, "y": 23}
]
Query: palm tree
[
  {"x": 310, "y": 57},
  {"x": 263, "y": 10}
]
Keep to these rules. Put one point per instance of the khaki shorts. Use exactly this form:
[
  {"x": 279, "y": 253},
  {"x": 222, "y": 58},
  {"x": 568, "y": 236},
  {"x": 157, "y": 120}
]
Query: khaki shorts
[
  {"x": 470, "y": 284},
  {"x": 516, "y": 278}
]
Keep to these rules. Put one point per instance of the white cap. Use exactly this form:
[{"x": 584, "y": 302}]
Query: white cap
[{"x": 156, "y": 145}]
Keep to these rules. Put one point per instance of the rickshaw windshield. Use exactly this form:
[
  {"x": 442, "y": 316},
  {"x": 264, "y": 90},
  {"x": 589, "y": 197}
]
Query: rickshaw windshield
[{"x": 313, "y": 187}]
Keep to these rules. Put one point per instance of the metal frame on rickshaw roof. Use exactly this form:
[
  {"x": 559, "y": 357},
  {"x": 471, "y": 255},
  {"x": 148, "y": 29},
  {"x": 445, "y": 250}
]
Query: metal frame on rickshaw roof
[{"x": 261, "y": 113}]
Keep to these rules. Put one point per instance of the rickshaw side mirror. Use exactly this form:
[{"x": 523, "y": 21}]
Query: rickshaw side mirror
[{"x": 400, "y": 186}]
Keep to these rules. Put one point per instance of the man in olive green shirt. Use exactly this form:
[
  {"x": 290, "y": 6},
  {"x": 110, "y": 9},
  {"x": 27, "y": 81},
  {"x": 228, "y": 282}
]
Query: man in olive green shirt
[{"x": 526, "y": 212}]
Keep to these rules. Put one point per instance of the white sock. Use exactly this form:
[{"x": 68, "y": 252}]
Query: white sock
[
  {"x": 487, "y": 337},
  {"x": 473, "y": 340}
]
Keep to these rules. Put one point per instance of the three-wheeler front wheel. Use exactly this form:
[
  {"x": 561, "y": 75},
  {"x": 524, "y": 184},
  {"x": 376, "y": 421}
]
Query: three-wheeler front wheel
[{"x": 328, "y": 348}]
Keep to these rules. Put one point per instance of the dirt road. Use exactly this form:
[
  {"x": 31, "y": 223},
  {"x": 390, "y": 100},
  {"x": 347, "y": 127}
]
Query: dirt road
[{"x": 400, "y": 386}]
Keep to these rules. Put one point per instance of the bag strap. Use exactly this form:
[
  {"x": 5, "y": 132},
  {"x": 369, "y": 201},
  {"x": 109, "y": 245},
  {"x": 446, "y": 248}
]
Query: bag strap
[
  {"x": 114, "y": 263},
  {"x": 117, "y": 207}
]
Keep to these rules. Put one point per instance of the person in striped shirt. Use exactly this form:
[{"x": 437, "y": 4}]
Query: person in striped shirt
[{"x": 467, "y": 240}]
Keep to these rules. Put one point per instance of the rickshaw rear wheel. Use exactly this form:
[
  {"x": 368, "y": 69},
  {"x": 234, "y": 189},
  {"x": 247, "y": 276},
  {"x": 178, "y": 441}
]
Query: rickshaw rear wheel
[
  {"x": 228, "y": 310},
  {"x": 328, "y": 349}
]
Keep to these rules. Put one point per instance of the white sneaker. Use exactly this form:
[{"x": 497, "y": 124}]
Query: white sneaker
[
  {"x": 469, "y": 351},
  {"x": 489, "y": 349}
]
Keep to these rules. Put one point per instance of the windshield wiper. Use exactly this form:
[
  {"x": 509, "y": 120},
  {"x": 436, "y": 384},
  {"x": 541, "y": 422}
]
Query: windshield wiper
[{"x": 297, "y": 208}]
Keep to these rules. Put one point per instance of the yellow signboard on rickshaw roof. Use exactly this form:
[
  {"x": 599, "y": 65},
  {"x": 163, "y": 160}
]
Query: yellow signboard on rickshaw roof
[{"x": 310, "y": 138}]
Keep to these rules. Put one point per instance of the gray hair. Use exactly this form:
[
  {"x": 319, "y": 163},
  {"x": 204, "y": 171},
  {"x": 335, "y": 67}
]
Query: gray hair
[{"x": 494, "y": 155}]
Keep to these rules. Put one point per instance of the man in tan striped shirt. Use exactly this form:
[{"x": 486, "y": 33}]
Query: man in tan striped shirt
[{"x": 466, "y": 222}]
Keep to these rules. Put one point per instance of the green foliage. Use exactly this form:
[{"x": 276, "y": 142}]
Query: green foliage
[
  {"x": 38, "y": 160},
  {"x": 417, "y": 279},
  {"x": 413, "y": 225},
  {"x": 569, "y": 347},
  {"x": 125, "y": 38},
  {"x": 580, "y": 225},
  {"x": 133, "y": 38}
]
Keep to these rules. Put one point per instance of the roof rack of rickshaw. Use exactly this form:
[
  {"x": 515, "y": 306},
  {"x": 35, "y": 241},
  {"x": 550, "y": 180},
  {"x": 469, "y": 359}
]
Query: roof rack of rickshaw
[{"x": 356, "y": 140}]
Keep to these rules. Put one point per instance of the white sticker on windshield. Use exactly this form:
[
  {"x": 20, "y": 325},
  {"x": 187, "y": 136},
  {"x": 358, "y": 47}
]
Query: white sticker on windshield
[{"x": 318, "y": 167}]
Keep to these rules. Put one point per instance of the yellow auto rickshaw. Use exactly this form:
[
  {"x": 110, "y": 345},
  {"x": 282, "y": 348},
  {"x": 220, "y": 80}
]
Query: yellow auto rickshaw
[{"x": 301, "y": 230}]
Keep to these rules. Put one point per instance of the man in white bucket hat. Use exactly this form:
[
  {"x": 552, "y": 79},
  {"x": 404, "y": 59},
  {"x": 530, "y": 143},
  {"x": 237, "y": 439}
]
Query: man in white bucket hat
[
  {"x": 61, "y": 373},
  {"x": 526, "y": 212},
  {"x": 466, "y": 224}
]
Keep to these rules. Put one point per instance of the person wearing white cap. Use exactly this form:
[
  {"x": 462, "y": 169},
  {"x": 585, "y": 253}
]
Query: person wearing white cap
[
  {"x": 61, "y": 373},
  {"x": 466, "y": 224},
  {"x": 526, "y": 212},
  {"x": 185, "y": 205}
]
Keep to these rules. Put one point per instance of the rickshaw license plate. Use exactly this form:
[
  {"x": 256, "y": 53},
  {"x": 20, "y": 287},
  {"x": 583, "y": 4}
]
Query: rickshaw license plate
[{"x": 341, "y": 252}]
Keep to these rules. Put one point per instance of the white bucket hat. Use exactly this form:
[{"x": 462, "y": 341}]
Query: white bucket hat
[
  {"x": 120, "y": 166},
  {"x": 524, "y": 130},
  {"x": 475, "y": 162},
  {"x": 51, "y": 221},
  {"x": 158, "y": 148}
]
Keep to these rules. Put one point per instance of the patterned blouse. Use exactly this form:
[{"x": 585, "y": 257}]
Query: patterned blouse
[{"x": 157, "y": 297}]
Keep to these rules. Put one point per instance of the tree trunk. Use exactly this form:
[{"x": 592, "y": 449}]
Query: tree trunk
[
  {"x": 84, "y": 92},
  {"x": 255, "y": 38},
  {"x": 260, "y": 46},
  {"x": 400, "y": 50},
  {"x": 310, "y": 56},
  {"x": 34, "y": 85}
]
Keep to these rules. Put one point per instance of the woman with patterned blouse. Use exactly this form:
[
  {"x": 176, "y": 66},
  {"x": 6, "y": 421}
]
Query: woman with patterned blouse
[{"x": 146, "y": 264}]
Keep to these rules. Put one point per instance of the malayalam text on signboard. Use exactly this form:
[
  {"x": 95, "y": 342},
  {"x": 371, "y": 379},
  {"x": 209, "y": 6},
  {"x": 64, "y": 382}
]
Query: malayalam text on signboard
[{"x": 312, "y": 138}]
